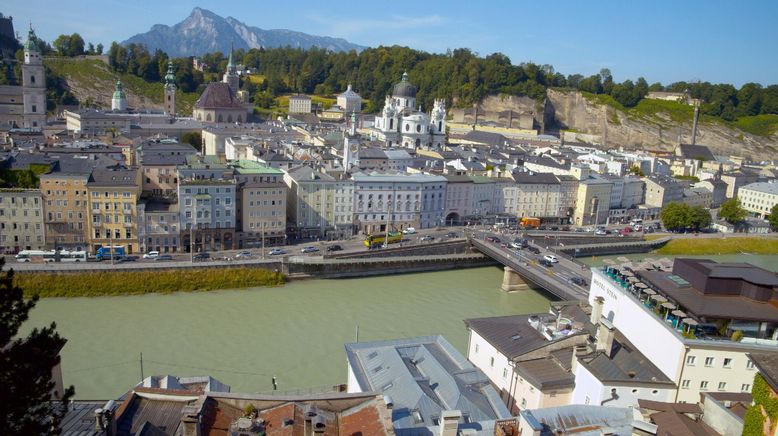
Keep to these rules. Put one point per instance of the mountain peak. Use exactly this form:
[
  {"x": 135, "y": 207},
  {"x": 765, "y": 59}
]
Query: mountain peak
[{"x": 204, "y": 31}]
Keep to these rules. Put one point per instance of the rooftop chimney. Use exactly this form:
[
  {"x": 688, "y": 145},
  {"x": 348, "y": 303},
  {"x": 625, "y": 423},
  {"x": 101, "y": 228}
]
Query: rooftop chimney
[
  {"x": 605, "y": 333},
  {"x": 578, "y": 352},
  {"x": 449, "y": 422},
  {"x": 597, "y": 306}
]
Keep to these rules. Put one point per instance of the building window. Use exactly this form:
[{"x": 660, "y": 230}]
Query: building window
[
  {"x": 727, "y": 362},
  {"x": 524, "y": 402},
  {"x": 505, "y": 373},
  {"x": 709, "y": 361},
  {"x": 491, "y": 362},
  {"x": 749, "y": 365},
  {"x": 722, "y": 386},
  {"x": 703, "y": 385},
  {"x": 690, "y": 360},
  {"x": 745, "y": 387},
  {"x": 476, "y": 348},
  {"x": 685, "y": 384}
]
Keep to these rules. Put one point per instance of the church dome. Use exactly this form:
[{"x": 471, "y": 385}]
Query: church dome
[
  {"x": 119, "y": 91},
  {"x": 404, "y": 88}
]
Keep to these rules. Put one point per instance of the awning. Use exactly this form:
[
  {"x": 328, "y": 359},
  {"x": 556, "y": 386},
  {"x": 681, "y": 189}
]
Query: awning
[
  {"x": 641, "y": 285},
  {"x": 679, "y": 313},
  {"x": 649, "y": 291},
  {"x": 689, "y": 321},
  {"x": 668, "y": 305},
  {"x": 633, "y": 279},
  {"x": 659, "y": 298},
  {"x": 627, "y": 274}
]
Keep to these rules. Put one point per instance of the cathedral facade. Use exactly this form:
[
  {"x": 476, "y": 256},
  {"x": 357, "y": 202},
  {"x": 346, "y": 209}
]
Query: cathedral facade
[
  {"x": 402, "y": 124},
  {"x": 25, "y": 106}
]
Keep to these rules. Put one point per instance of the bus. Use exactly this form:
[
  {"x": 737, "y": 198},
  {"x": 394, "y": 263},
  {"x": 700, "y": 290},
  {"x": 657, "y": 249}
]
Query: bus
[
  {"x": 51, "y": 256},
  {"x": 530, "y": 223},
  {"x": 372, "y": 241}
]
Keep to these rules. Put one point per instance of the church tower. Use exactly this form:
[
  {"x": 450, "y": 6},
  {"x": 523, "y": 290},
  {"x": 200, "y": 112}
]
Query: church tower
[
  {"x": 170, "y": 90},
  {"x": 351, "y": 145},
  {"x": 231, "y": 76},
  {"x": 33, "y": 85},
  {"x": 119, "y": 99}
]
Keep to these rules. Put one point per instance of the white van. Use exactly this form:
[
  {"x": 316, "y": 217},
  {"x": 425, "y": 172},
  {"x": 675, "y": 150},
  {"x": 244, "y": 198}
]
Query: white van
[{"x": 151, "y": 255}]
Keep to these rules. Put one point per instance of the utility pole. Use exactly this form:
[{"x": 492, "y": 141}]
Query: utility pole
[
  {"x": 263, "y": 240},
  {"x": 191, "y": 232},
  {"x": 141, "y": 367}
]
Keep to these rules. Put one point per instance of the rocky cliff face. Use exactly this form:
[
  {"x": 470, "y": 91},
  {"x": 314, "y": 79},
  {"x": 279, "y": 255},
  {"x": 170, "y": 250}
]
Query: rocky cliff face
[
  {"x": 570, "y": 110},
  {"x": 205, "y": 32}
]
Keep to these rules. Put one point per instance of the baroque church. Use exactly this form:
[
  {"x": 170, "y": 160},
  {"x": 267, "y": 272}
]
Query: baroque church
[
  {"x": 25, "y": 106},
  {"x": 401, "y": 124},
  {"x": 220, "y": 102}
]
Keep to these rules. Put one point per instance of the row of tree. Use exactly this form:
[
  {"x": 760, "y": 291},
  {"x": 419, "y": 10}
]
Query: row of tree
[{"x": 681, "y": 217}]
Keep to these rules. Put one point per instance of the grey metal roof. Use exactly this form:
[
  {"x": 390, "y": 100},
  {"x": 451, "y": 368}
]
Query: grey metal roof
[
  {"x": 546, "y": 373},
  {"x": 531, "y": 178},
  {"x": 305, "y": 173},
  {"x": 79, "y": 420},
  {"x": 582, "y": 420},
  {"x": 625, "y": 364},
  {"x": 513, "y": 335},
  {"x": 696, "y": 151},
  {"x": 424, "y": 376},
  {"x": 165, "y": 415},
  {"x": 114, "y": 176}
]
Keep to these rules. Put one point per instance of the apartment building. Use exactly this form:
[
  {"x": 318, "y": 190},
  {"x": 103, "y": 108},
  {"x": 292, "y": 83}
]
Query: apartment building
[
  {"x": 113, "y": 194},
  {"x": 21, "y": 220},
  {"x": 261, "y": 203},
  {"x": 158, "y": 226},
  {"x": 65, "y": 209},
  {"x": 662, "y": 190},
  {"x": 206, "y": 214},
  {"x": 537, "y": 195},
  {"x": 398, "y": 200},
  {"x": 310, "y": 202},
  {"x": 593, "y": 201},
  {"x": 759, "y": 198}
]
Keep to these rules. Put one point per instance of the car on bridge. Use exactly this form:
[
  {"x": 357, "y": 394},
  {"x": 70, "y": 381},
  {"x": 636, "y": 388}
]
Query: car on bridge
[
  {"x": 580, "y": 281},
  {"x": 163, "y": 257},
  {"x": 494, "y": 239},
  {"x": 243, "y": 255},
  {"x": 334, "y": 247},
  {"x": 551, "y": 258},
  {"x": 409, "y": 231},
  {"x": 546, "y": 263},
  {"x": 151, "y": 255},
  {"x": 427, "y": 238},
  {"x": 276, "y": 252},
  {"x": 532, "y": 249},
  {"x": 309, "y": 249}
]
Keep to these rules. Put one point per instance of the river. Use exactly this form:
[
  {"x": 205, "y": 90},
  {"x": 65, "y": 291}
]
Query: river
[{"x": 244, "y": 337}]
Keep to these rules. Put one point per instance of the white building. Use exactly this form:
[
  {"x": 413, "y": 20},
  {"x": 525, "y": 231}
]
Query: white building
[
  {"x": 759, "y": 198},
  {"x": 299, "y": 104},
  {"x": 702, "y": 305},
  {"x": 398, "y": 201},
  {"x": 402, "y": 124},
  {"x": 319, "y": 205}
]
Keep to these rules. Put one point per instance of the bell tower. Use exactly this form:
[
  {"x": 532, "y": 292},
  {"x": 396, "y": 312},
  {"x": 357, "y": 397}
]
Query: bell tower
[
  {"x": 33, "y": 84},
  {"x": 170, "y": 90}
]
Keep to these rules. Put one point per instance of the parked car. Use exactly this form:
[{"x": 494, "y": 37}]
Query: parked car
[
  {"x": 551, "y": 258},
  {"x": 409, "y": 231},
  {"x": 243, "y": 255},
  {"x": 546, "y": 263},
  {"x": 627, "y": 230},
  {"x": 638, "y": 227},
  {"x": 535, "y": 250},
  {"x": 276, "y": 252},
  {"x": 580, "y": 230},
  {"x": 649, "y": 230},
  {"x": 516, "y": 244},
  {"x": 151, "y": 255},
  {"x": 452, "y": 235},
  {"x": 427, "y": 238},
  {"x": 600, "y": 232},
  {"x": 555, "y": 228},
  {"x": 334, "y": 247},
  {"x": 201, "y": 256},
  {"x": 580, "y": 281},
  {"x": 310, "y": 249},
  {"x": 128, "y": 259},
  {"x": 494, "y": 239},
  {"x": 163, "y": 257}
]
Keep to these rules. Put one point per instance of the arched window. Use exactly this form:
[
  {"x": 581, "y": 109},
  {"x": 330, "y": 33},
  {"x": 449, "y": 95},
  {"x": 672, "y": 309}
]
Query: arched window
[
  {"x": 418, "y": 142},
  {"x": 168, "y": 97},
  {"x": 220, "y": 118},
  {"x": 208, "y": 117},
  {"x": 407, "y": 127},
  {"x": 440, "y": 126},
  {"x": 32, "y": 79},
  {"x": 391, "y": 124},
  {"x": 240, "y": 118},
  {"x": 229, "y": 118},
  {"x": 418, "y": 128}
]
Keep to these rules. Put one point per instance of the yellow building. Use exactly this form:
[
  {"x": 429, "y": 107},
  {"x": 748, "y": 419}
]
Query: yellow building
[
  {"x": 113, "y": 194},
  {"x": 593, "y": 202},
  {"x": 65, "y": 210}
]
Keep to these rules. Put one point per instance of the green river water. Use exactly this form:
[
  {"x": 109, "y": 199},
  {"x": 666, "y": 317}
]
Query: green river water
[{"x": 295, "y": 332}]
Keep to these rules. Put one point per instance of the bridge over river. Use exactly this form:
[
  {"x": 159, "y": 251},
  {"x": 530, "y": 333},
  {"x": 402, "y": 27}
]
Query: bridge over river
[{"x": 523, "y": 267}]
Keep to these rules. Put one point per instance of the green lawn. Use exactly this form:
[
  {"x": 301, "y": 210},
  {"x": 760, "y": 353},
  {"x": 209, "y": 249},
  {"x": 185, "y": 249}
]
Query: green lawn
[{"x": 726, "y": 245}]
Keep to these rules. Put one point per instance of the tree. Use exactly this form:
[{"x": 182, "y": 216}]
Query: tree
[
  {"x": 732, "y": 211},
  {"x": 99, "y": 49},
  {"x": 700, "y": 217},
  {"x": 194, "y": 139},
  {"x": 635, "y": 169},
  {"x": 674, "y": 216},
  {"x": 62, "y": 45},
  {"x": 26, "y": 364},
  {"x": 773, "y": 218}
]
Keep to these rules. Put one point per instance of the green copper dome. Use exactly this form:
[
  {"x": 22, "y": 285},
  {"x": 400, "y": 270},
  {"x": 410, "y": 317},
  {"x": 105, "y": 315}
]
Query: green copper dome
[{"x": 119, "y": 92}]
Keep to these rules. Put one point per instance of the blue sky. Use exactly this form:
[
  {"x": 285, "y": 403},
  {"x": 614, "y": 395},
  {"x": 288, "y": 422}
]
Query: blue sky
[{"x": 666, "y": 41}]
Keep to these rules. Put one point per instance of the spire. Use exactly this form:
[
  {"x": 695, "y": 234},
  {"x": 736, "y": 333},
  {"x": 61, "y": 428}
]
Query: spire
[
  {"x": 230, "y": 63},
  {"x": 353, "y": 123},
  {"x": 30, "y": 45},
  {"x": 170, "y": 77},
  {"x": 405, "y": 76}
]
